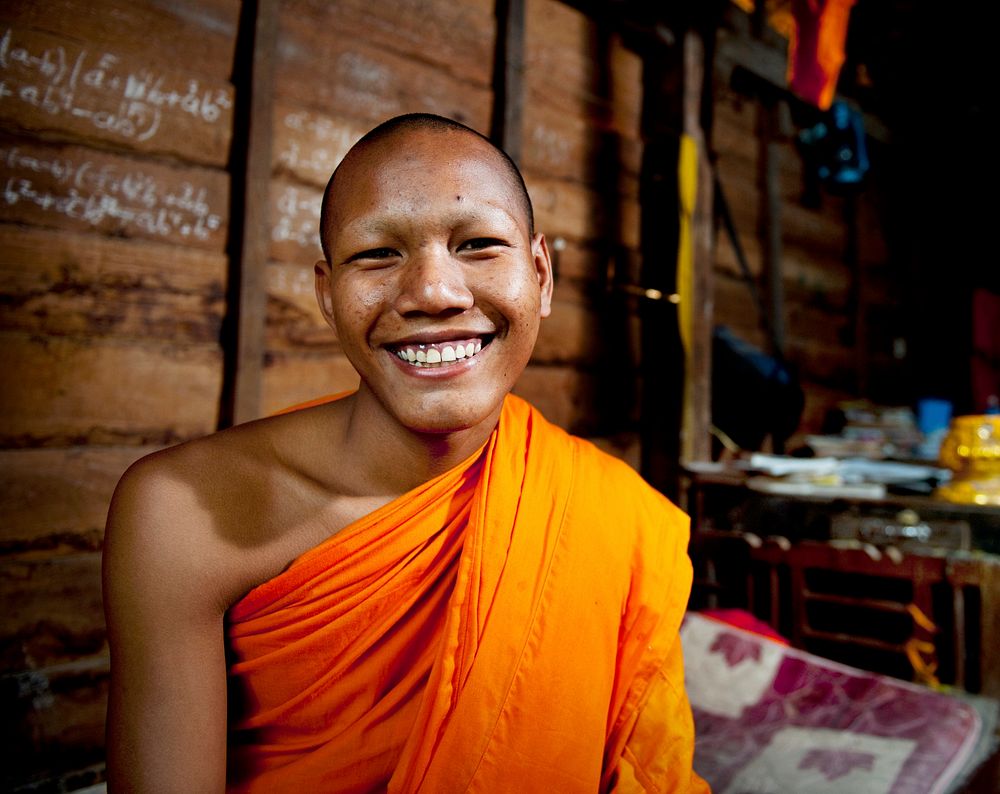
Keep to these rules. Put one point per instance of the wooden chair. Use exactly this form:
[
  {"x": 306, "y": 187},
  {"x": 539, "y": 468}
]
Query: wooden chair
[
  {"x": 872, "y": 609},
  {"x": 917, "y": 616}
]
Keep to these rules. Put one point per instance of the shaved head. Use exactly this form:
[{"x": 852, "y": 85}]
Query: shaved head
[{"x": 413, "y": 122}]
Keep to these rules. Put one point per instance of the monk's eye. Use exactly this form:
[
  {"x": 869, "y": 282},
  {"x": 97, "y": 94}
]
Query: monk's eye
[
  {"x": 481, "y": 244},
  {"x": 373, "y": 255}
]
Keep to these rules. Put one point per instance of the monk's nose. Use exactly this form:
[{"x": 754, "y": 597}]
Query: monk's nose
[{"x": 433, "y": 282}]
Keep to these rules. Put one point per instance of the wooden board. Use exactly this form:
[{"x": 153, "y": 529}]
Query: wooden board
[
  {"x": 198, "y": 33},
  {"x": 367, "y": 82},
  {"x": 309, "y": 145},
  {"x": 52, "y": 611},
  {"x": 571, "y": 334},
  {"x": 564, "y": 395},
  {"x": 559, "y": 42},
  {"x": 566, "y": 209},
  {"x": 294, "y": 218},
  {"x": 571, "y": 147},
  {"x": 64, "y": 283},
  {"x": 293, "y": 378},
  {"x": 82, "y": 189},
  {"x": 294, "y": 320},
  {"x": 56, "y": 84},
  {"x": 56, "y": 500},
  {"x": 69, "y": 392},
  {"x": 455, "y": 38},
  {"x": 53, "y": 726}
]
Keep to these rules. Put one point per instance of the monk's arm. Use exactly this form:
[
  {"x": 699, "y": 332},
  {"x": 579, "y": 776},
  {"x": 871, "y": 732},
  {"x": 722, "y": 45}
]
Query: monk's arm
[
  {"x": 658, "y": 755},
  {"x": 167, "y": 703},
  {"x": 659, "y": 736}
]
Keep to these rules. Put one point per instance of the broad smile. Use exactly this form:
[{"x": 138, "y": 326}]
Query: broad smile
[{"x": 434, "y": 355}]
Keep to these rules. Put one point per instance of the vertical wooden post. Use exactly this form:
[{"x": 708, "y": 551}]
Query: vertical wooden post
[
  {"x": 249, "y": 214},
  {"x": 768, "y": 167},
  {"x": 856, "y": 295},
  {"x": 697, "y": 410},
  {"x": 508, "y": 78}
]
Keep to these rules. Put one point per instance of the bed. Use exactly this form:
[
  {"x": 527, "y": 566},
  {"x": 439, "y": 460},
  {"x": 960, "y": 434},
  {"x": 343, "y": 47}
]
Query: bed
[{"x": 771, "y": 718}]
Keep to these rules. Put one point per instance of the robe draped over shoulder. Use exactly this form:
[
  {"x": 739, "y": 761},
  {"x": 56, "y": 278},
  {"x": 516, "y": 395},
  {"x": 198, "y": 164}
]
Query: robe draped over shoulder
[{"x": 511, "y": 625}]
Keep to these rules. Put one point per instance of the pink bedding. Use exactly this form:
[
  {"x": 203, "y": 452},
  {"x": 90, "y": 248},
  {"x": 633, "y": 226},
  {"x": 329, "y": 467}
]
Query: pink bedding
[{"x": 770, "y": 718}]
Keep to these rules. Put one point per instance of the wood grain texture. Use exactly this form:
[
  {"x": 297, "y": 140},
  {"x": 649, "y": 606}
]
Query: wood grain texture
[
  {"x": 198, "y": 33},
  {"x": 294, "y": 320},
  {"x": 251, "y": 179},
  {"x": 63, "y": 86},
  {"x": 368, "y": 82},
  {"x": 293, "y": 378},
  {"x": 455, "y": 38},
  {"x": 566, "y": 146},
  {"x": 53, "y": 728},
  {"x": 294, "y": 218},
  {"x": 564, "y": 395},
  {"x": 56, "y": 500},
  {"x": 571, "y": 334},
  {"x": 53, "y": 611},
  {"x": 568, "y": 209},
  {"x": 82, "y": 189},
  {"x": 69, "y": 392},
  {"x": 86, "y": 285},
  {"x": 309, "y": 145}
]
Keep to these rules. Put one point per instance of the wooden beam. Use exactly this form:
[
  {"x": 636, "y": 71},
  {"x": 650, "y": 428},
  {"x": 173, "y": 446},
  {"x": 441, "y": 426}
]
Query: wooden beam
[
  {"x": 250, "y": 219},
  {"x": 769, "y": 220},
  {"x": 697, "y": 418},
  {"x": 508, "y": 78}
]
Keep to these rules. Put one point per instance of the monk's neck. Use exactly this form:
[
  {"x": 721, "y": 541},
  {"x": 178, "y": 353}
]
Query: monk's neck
[{"x": 391, "y": 459}]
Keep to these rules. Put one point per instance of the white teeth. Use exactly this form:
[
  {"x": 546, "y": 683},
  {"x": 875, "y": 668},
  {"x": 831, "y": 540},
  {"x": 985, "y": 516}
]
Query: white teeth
[{"x": 422, "y": 355}]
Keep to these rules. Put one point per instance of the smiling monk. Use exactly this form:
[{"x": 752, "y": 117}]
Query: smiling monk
[{"x": 420, "y": 586}]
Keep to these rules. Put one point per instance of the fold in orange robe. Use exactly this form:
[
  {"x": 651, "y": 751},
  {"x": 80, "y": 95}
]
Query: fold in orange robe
[{"x": 508, "y": 626}]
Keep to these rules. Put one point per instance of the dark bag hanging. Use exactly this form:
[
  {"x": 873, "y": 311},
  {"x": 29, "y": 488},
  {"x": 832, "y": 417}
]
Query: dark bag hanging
[{"x": 754, "y": 394}]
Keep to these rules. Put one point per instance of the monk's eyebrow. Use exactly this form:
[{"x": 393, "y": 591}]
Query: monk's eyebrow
[{"x": 391, "y": 222}]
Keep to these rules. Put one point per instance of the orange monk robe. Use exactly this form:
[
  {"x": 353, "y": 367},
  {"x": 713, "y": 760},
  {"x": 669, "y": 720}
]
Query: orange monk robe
[{"x": 508, "y": 626}]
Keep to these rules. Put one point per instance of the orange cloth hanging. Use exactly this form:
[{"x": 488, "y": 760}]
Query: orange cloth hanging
[
  {"x": 816, "y": 48},
  {"x": 509, "y": 625}
]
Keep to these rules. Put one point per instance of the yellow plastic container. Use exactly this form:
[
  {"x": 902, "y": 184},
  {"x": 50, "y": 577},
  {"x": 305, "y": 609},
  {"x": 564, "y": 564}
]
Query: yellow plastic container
[{"x": 972, "y": 451}]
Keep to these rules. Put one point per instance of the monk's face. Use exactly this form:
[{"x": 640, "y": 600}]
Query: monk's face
[{"x": 435, "y": 284}]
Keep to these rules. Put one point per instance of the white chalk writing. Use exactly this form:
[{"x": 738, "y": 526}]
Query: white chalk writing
[
  {"x": 102, "y": 193},
  {"x": 99, "y": 90},
  {"x": 548, "y": 145},
  {"x": 315, "y": 145},
  {"x": 298, "y": 218}
]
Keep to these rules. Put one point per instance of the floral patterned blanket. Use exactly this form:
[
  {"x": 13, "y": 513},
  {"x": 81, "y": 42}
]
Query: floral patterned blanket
[{"x": 773, "y": 719}]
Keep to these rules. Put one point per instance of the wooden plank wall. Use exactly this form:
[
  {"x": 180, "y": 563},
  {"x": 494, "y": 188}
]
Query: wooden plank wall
[
  {"x": 582, "y": 154},
  {"x": 115, "y": 124},
  {"x": 821, "y": 323},
  {"x": 115, "y": 135}
]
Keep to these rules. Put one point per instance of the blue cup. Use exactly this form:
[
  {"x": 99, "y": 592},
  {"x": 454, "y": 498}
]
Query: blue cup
[{"x": 933, "y": 414}]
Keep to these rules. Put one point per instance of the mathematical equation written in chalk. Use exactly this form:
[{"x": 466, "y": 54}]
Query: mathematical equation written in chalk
[
  {"x": 311, "y": 145},
  {"x": 100, "y": 89},
  {"x": 297, "y": 212},
  {"x": 106, "y": 195}
]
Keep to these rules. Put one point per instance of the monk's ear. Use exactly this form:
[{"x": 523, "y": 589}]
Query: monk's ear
[
  {"x": 324, "y": 293},
  {"x": 543, "y": 269}
]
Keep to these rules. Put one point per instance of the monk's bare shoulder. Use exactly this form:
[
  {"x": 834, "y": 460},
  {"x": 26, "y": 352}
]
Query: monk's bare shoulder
[{"x": 218, "y": 515}]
